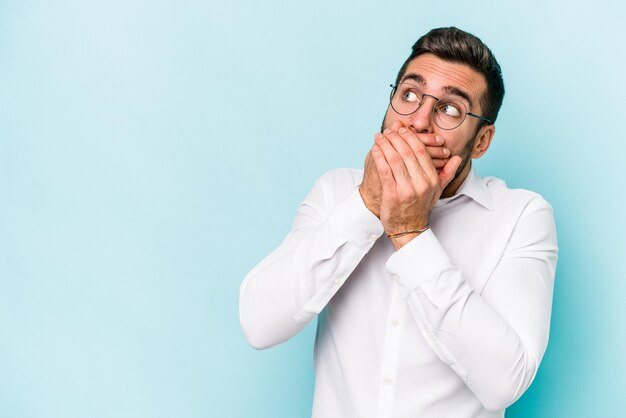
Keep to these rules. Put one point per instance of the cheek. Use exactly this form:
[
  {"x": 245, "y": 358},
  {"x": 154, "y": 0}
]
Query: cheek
[
  {"x": 459, "y": 143},
  {"x": 452, "y": 143},
  {"x": 389, "y": 118}
]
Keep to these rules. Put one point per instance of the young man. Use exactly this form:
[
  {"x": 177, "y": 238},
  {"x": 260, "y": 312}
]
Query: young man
[{"x": 432, "y": 285}]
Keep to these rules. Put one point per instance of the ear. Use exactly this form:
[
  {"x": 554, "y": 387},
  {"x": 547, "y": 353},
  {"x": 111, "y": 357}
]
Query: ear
[{"x": 483, "y": 140}]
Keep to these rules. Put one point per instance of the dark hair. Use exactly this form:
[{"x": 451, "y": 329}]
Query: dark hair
[{"x": 454, "y": 45}]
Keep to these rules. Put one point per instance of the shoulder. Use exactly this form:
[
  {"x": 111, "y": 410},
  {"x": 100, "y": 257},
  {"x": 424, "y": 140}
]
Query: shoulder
[
  {"x": 342, "y": 177},
  {"x": 340, "y": 181},
  {"x": 333, "y": 186},
  {"x": 505, "y": 198},
  {"x": 525, "y": 218}
]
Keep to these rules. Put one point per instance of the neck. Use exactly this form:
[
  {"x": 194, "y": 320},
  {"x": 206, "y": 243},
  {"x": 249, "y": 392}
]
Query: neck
[{"x": 458, "y": 179}]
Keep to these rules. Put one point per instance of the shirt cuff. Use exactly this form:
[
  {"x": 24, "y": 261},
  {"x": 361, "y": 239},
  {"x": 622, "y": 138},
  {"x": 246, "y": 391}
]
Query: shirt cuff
[
  {"x": 352, "y": 221},
  {"x": 420, "y": 261}
]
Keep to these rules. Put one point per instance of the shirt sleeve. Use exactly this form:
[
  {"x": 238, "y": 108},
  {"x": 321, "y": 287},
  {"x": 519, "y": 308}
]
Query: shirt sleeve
[
  {"x": 292, "y": 285},
  {"x": 494, "y": 340}
]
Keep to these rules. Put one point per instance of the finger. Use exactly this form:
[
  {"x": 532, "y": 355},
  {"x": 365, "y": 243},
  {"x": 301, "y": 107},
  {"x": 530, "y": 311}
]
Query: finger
[
  {"x": 430, "y": 140},
  {"x": 394, "y": 159},
  {"x": 438, "y": 152},
  {"x": 434, "y": 144},
  {"x": 439, "y": 163},
  {"x": 423, "y": 157},
  {"x": 384, "y": 171},
  {"x": 408, "y": 156},
  {"x": 449, "y": 170}
]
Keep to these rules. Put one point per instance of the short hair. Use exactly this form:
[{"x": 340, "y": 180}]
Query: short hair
[{"x": 455, "y": 45}]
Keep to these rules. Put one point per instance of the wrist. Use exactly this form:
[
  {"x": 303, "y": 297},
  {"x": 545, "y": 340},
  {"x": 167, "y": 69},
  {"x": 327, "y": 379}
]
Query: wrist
[{"x": 400, "y": 239}]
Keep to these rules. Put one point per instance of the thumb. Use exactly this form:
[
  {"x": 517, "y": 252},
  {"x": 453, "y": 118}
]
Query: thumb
[
  {"x": 449, "y": 170},
  {"x": 396, "y": 125}
]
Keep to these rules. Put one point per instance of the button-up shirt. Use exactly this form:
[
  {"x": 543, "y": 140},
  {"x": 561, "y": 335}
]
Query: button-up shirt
[{"x": 453, "y": 324}]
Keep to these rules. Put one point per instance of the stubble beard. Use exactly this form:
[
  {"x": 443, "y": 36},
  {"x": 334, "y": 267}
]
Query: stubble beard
[
  {"x": 466, "y": 158},
  {"x": 465, "y": 155}
]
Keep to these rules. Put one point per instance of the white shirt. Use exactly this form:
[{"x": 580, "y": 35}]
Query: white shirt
[{"x": 454, "y": 324}]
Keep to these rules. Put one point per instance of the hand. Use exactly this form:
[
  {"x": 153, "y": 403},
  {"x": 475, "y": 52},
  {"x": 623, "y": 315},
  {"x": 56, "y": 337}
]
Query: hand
[
  {"x": 371, "y": 188},
  {"x": 410, "y": 181}
]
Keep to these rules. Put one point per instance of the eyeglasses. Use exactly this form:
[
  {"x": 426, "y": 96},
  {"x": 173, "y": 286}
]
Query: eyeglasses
[{"x": 448, "y": 112}]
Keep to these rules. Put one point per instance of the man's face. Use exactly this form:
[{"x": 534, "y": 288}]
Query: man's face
[{"x": 440, "y": 78}]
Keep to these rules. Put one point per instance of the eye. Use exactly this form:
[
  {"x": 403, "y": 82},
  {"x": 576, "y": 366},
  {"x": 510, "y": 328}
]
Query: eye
[
  {"x": 450, "y": 109},
  {"x": 410, "y": 96}
]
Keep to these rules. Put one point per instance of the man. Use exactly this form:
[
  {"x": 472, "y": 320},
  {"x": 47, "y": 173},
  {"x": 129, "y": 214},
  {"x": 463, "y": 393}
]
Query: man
[{"x": 432, "y": 285}]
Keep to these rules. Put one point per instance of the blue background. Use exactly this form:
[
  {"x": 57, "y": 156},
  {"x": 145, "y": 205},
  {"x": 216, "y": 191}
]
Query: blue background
[{"x": 151, "y": 152}]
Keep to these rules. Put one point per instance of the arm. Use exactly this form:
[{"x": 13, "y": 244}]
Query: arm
[
  {"x": 494, "y": 339},
  {"x": 294, "y": 283},
  {"x": 329, "y": 237}
]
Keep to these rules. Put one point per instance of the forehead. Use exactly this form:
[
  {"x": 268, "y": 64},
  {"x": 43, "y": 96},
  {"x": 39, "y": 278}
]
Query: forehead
[{"x": 439, "y": 75}]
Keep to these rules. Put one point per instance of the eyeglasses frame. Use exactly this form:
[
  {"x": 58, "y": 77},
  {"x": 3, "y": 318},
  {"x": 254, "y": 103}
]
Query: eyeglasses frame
[{"x": 393, "y": 91}]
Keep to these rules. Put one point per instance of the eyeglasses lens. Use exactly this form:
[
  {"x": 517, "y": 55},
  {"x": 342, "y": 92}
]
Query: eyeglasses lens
[{"x": 448, "y": 113}]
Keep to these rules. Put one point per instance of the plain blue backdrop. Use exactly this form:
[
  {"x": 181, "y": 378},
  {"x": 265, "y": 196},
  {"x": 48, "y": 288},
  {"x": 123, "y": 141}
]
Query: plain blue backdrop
[{"x": 151, "y": 152}]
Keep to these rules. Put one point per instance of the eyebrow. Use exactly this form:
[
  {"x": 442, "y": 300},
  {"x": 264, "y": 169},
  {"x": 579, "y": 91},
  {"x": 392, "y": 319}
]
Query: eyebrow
[
  {"x": 415, "y": 77},
  {"x": 455, "y": 91}
]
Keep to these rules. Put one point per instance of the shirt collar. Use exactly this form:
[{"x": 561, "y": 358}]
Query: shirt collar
[{"x": 474, "y": 187}]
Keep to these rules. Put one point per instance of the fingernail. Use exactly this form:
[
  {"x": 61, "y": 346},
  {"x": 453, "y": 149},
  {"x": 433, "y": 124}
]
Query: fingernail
[
  {"x": 439, "y": 139},
  {"x": 446, "y": 152},
  {"x": 387, "y": 131},
  {"x": 378, "y": 135},
  {"x": 402, "y": 130}
]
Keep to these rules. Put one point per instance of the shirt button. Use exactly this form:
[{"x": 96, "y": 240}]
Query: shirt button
[
  {"x": 337, "y": 281},
  {"x": 387, "y": 381},
  {"x": 395, "y": 322},
  {"x": 395, "y": 278},
  {"x": 373, "y": 237}
]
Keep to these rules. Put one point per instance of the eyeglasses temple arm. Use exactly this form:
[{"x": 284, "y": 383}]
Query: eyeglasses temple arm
[{"x": 479, "y": 117}]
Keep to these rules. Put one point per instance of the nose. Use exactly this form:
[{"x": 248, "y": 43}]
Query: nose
[{"x": 422, "y": 120}]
